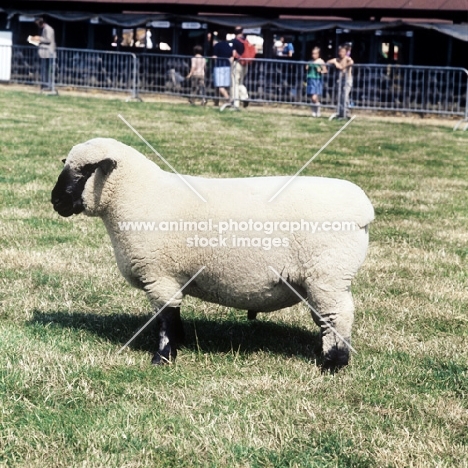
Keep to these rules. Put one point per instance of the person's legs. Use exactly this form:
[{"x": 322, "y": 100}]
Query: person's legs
[
  {"x": 193, "y": 89},
  {"x": 315, "y": 90},
  {"x": 346, "y": 91},
  {"x": 314, "y": 105},
  {"x": 228, "y": 102},
  {"x": 45, "y": 73},
  {"x": 315, "y": 100},
  {"x": 243, "y": 94},
  {"x": 317, "y": 106},
  {"x": 201, "y": 89},
  {"x": 224, "y": 84},
  {"x": 340, "y": 112},
  {"x": 236, "y": 73},
  {"x": 220, "y": 81},
  {"x": 310, "y": 95},
  {"x": 318, "y": 93},
  {"x": 224, "y": 93}
]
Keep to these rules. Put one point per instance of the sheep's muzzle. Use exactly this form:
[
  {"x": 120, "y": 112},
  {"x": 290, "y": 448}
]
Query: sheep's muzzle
[{"x": 66, "y": 195}]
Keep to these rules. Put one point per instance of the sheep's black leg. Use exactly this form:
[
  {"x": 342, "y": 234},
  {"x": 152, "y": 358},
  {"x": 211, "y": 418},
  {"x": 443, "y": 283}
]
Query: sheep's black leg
[
  {"x": 170, "y": 335},
  {"x": 251, "y": 314}
]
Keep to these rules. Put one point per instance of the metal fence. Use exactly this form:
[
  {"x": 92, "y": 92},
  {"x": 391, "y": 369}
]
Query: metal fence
[
  {"x": 396, "y": 88},
  {"x": 393, "y": 88},
  {"x": 404, "y": 88},
  {"x": 76, "y": 68}
]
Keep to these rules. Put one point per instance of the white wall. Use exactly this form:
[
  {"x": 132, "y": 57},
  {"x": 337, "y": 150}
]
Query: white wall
[{"x": 5, "y": 55}]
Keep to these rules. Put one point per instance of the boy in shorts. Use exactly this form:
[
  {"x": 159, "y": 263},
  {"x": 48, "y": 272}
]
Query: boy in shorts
[{"x": 315, "y": 69}]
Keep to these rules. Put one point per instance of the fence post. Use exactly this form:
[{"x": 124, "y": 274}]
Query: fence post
[
  {"x": 135, "y": 80},
  {"x": 52, "y": 77},
  {"x": 465, "y": 119},
  {"x": 466, "y": 97}
]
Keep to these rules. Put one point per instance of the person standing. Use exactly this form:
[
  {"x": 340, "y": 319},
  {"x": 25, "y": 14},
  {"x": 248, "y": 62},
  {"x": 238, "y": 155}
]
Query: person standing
[
  {"x": 288, "y": 47},
  {"x": 315, "y": 69},
  {"x": 197, "y": 75},
  {"x": 222, "y": 54},
  {"x": 238, "y": 91},
  {"x": 278, "y": 46},
  {"x": 289, "y": 79},
  {"x": 343, "y": 63},
  {"x": 46, "y": 51}
]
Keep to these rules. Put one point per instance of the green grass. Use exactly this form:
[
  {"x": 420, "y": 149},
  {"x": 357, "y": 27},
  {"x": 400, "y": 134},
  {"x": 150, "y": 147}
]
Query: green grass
[{"x": 241, "y": 394}]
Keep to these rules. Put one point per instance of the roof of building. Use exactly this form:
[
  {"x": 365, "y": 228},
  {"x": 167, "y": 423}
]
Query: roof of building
[
  {"x": 296, "y": 25},
  {"x": 258, "y": 13},
  {"x": 453, "y": 5},
  {"x": 236, "y": 6}
]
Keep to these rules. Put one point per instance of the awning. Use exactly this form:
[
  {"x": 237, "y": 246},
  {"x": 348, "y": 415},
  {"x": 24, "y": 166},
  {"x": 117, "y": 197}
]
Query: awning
[{"x": 132, "y": 20}]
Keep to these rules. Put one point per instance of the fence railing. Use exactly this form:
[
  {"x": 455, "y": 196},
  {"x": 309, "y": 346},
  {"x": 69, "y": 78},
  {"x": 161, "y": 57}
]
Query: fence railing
[
  {"x": 394, "y": 88},
  {"x": 111, "y": 71},
  {"x": 404, "y": 88}
]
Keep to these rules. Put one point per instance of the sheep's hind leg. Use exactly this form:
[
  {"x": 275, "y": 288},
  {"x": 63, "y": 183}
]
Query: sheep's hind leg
[
  {"x": 336, "y": 311},
  {"x": 170, "y": 335}
]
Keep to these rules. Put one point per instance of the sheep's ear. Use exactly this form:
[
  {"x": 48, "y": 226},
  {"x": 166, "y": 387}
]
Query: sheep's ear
[
  {"x": 107, "y": 165},
  {"x": 63, "y": 160}
]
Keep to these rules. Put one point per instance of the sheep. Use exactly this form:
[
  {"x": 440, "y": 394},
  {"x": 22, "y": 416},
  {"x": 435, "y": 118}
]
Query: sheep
[{"x": 260, "y": 264}]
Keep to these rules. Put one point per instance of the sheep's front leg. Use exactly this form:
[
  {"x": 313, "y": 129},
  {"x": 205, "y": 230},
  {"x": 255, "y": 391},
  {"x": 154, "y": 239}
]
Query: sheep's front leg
[
  {"x": 170, "y": 335},
  {"x": 251, "y": 315}
]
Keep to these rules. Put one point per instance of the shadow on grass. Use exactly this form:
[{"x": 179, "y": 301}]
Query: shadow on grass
[{"x": 223, "y": 335}]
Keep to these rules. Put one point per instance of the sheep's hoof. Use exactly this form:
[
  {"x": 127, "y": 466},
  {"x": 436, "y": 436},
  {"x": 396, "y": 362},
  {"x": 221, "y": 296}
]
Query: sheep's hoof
[
  {"x": 251, "y": 314},
  {"x": 335, "y": 359},
  {"x": 164, "y": 357},
  {"x": 158, "y": 360}
]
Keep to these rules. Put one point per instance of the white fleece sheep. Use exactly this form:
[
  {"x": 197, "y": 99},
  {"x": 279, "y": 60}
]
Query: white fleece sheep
[{"x": 106, "y": 178}]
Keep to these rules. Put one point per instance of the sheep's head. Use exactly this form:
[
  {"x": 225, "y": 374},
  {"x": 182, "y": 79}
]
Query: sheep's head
[{"x": 79, "y": 185}]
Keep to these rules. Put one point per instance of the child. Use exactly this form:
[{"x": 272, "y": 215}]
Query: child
[
  {"x": 315, "y": 69},
  {"x": 197, "y": 75},
  {"x": 344, "y": 63}
]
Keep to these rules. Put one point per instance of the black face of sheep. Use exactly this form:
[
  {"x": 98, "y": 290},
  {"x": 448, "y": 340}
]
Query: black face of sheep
[{"x": 67, "y": 193}]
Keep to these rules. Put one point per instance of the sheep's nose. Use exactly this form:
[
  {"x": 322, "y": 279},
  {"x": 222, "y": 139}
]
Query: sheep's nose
[
  {"x": 57, "y": 198},
  {"x": 63, "y": 205}
]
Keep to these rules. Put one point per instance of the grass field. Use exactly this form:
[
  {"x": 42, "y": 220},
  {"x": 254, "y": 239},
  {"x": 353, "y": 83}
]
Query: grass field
[{"x": 241, "y": 394}]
